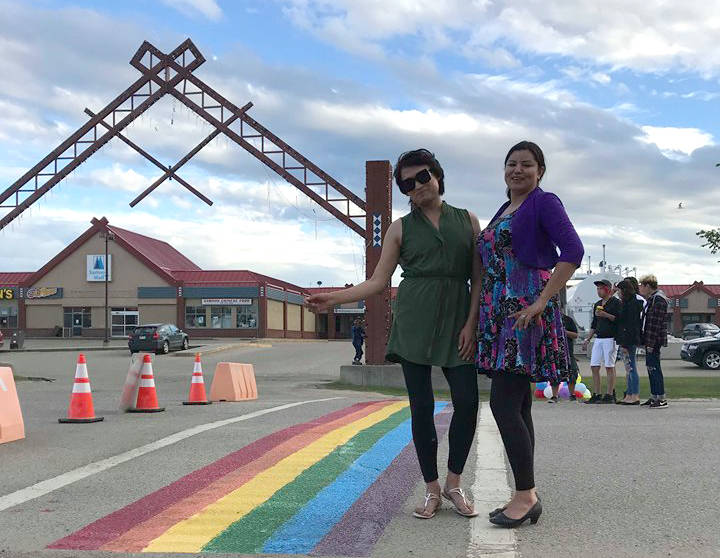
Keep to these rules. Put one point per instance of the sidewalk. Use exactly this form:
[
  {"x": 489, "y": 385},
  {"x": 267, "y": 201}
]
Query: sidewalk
[{"x": 58, "y": 344}]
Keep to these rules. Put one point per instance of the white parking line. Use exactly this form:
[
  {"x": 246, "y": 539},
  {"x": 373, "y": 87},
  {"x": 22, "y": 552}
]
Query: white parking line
[
  {"x": 490, "y": 490},
  {"x": 50, "y": 485}
]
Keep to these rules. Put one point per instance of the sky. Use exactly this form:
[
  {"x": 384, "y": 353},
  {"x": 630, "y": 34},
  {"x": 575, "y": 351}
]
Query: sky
[{"x": 623, "y": 97}]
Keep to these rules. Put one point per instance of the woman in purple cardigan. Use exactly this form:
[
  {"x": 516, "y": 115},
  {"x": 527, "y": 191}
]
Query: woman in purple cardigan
[{"x": 521, "y": 338}]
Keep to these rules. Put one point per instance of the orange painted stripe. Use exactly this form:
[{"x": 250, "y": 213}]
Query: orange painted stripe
[{"x": 140, "y": 536}]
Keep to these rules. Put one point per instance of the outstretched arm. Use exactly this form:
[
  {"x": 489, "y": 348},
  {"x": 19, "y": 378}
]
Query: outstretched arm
[{"x": 380, "y": 278}]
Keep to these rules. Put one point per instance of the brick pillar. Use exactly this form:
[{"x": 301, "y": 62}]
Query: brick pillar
[
  {"x": 717, "y": 313},
  {"x": 378, "y": 196},
  {"x": 180, "y": 305},
  {"x": 262, "y": 310},
  {"x": 22, "y": 314},
  {"x": 677, "y": 320},
  {"x": 285, "y": 329},
  {"x": 331, "y": 323},
  {"x": 302, "y": 321}
]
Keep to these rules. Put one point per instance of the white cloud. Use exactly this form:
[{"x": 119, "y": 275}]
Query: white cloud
[
  {"x": 206, "y": 8},
  {"x": 644, "y": 35},
  {"x": 674, "y": 141}
]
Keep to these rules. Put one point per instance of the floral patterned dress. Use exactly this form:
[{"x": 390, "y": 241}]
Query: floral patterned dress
[{"x": 539, "y": 352}]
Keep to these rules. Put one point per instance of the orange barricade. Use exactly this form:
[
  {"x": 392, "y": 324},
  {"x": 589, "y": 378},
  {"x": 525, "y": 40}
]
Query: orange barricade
[
  {"x": 233, "y": 382},
  {"x": 12, "y": 426}
]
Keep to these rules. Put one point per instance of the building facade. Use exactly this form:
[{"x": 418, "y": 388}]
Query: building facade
[
  {"x": 696, "y": 303},
  {"x": 148, "y": 281}
]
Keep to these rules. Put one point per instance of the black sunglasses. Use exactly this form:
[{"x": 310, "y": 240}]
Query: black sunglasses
[{"x": 408, "y": 185}]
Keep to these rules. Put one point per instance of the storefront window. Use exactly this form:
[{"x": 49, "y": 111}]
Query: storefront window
[
  {"x": 195, "y": 316},
  {"x": 221, "y": 317},
  {"x": 8, "y": 317},
  {"x": 247, "y": 316},
  {"x": 123, "y": 321},
  {"x": 76, "y": 319}
]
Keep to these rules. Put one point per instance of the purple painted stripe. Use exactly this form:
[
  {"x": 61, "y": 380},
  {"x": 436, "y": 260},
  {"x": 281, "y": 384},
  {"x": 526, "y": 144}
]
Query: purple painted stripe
[
  {"x": 364, "y": 523},
  {"x": 108, "y": 528}
]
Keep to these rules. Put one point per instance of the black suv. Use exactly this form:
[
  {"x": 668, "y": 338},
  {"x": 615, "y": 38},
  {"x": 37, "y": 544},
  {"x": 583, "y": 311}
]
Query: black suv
[
  {"x": 158, "y": 338},
  {"x": 704, "y": 351}
]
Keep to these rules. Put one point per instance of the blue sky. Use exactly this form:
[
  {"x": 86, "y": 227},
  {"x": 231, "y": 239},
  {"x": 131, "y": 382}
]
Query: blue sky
[{"x": 622, "y": 97}]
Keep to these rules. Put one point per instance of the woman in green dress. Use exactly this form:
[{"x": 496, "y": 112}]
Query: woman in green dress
[{"x": 435, "y": 318}]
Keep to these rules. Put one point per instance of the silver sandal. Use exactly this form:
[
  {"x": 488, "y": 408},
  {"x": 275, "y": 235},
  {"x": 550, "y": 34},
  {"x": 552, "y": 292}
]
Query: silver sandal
[
  {"x": 447, "y": 494},
  {"x": 429, "y": 496}
]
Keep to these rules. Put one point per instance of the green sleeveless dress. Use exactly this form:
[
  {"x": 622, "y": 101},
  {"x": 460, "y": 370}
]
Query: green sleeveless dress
[{"x": 433, "y": 298}]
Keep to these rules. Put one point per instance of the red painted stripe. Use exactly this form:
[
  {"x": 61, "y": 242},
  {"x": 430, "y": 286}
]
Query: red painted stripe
[
  {"x": 142, "y": 535},
  {"x": 104, "y": 530}
]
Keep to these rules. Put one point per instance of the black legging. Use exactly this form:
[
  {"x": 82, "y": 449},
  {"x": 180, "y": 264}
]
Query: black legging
[
  {"x": 464, "y": 395},
  {"x": 511, "y": 402}
]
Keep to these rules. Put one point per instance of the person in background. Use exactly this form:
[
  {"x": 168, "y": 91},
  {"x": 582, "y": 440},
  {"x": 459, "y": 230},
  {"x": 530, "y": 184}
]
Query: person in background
[
  {"x": 629, "y": 329},
  {"x": 358, "y": 338},
  {"x": 571, "y": 332},
  {"x": 654, "y": 336},
  {"x": 604, "y": 351}
]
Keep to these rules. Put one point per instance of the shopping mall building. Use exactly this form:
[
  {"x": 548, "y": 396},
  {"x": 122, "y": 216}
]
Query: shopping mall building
[{"x": 149, "y": 281}]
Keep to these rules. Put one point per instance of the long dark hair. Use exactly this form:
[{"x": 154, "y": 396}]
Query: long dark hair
[
  {"x": 627, "y": 290},
  {"x": 537, "y": 153}
]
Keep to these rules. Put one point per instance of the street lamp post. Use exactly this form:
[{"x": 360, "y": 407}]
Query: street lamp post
[{"x": 108, "y": 236}]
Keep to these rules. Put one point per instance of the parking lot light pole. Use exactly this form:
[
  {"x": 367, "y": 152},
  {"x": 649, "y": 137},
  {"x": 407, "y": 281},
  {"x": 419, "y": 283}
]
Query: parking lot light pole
[{"x": 108, "y": 236}]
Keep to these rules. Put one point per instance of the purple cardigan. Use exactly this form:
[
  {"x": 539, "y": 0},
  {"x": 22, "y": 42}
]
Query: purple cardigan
[{"x": 538, "y": 227}]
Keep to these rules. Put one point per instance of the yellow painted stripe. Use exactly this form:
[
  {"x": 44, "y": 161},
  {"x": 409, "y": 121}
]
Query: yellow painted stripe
[{"x": 191, "y": 534}]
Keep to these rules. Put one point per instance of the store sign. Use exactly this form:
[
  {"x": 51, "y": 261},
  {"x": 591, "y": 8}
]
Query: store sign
[
  {"x": 6, "y": 293},
  {"x": 227, "y": 301},
  {"x": 44, "y": 292},
  {"x": 349, "y": 310},
  {"x": 96, "y": 267}
]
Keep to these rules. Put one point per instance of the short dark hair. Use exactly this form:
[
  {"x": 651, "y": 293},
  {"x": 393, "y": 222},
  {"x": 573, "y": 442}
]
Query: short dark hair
[
  {"x": 420, "y": 157},
  {"x": 533, "y": 148}
]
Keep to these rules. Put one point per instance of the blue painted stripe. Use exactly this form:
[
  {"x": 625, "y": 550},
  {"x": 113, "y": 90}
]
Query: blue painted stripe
[{"x": 306, "y": 529}]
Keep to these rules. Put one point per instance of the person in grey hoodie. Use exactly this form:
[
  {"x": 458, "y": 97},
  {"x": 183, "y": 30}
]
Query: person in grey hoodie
[{"x": 654, "y": 336}]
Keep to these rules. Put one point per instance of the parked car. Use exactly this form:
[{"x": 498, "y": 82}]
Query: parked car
[
  {"x": 158, "y": 338},
  {"x": 695, "y": 331},
  {"x": 704, "y": 351}
]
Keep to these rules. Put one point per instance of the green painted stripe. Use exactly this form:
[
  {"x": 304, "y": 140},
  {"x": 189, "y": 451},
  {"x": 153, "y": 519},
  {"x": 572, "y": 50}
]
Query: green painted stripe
[{"x": 249, "y": 534}]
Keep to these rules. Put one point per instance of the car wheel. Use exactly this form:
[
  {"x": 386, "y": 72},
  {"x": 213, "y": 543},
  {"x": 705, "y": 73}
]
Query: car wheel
[
  {"x": 711, "y": 360},
  {"x": 165, "y": 348},
  {"x": 185, "y": 344}
]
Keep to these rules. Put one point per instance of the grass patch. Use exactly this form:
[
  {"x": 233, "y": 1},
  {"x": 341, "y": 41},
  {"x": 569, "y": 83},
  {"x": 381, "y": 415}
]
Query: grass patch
[
  {"x": 440, "y": 394},
  {"x": 675, "y": 387}
]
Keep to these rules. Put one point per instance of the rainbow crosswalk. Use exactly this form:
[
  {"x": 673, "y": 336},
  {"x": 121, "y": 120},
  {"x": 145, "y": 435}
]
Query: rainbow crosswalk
[{"x": 319, "y": 488}]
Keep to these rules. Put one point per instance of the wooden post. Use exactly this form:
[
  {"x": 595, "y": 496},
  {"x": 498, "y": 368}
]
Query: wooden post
[{"x": 378, "y": 196}]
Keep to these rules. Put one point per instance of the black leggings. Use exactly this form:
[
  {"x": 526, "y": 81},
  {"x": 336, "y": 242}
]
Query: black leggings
[
  {"x": 464, "y": 395},
  {"x": 511, "y": 402}
]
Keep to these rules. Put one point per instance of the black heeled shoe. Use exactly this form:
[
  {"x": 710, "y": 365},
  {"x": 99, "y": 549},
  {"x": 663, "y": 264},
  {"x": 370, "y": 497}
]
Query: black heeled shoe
[
  {"x": 504, "y": 521},
  {"x": 499, "y": 510}
]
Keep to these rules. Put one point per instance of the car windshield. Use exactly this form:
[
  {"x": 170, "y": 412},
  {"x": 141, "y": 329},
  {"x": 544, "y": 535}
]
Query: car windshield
[{"x": 144, "y": 330}]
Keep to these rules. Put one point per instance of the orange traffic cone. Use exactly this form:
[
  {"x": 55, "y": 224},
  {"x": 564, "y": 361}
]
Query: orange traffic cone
[
  {"x": 197, "y": 386},
  {"x": 81, "y": 404},
  {"x": 147, "y": 401}
]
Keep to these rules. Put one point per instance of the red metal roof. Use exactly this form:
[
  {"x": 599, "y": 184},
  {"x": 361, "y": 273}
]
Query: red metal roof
[
  {"x": 681, "y": 290},
  {"x": 160, "y": 253},
  {"x": 227, "y": 277},
  {"x": 13, "y": 278}
]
